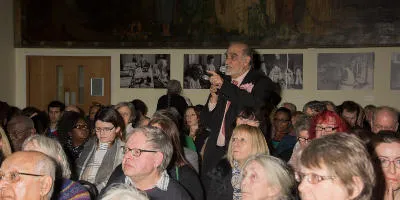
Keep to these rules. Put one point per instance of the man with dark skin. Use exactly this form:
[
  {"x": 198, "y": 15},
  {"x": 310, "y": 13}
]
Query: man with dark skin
[{"x": 19, "y": 128}]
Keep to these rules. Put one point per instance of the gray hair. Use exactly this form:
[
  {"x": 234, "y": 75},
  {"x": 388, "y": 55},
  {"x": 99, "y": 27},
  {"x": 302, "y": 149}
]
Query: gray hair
[
  {"x": 174, "y": 87},
  {"x": 123, "y": 191},
  {"x": 159, "y": 142},
  {"x": 131, "y": 108},
  {"x": 278, "y": 173},
  {"x": 391, "y": 111},
  {"x": 303, "y": 123},
  {"x": 51, "y": 148}
]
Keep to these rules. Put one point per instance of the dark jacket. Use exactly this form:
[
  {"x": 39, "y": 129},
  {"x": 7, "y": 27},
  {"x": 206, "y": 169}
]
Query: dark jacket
[
  {"x": 263, "y": 91},
  {"x": 188, "y": 178},
  {"x": 174, "y": 191},
  {"x": 172, "y": 100},
  {"x": 218, "y": 182}
]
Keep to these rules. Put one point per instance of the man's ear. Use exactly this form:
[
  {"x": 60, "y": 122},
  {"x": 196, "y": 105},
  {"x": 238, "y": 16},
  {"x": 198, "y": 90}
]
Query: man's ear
[
  {"x": 358, "y": 187},
  {"x": 46, "y": 183},
  {"x": 247, "y": 59},
  {"x": 396, "y": 126},
  {"x": 158, "y": 159}
]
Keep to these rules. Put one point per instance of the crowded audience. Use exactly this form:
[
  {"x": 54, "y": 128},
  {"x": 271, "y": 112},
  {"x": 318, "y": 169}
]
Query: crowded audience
[{"x": 239, "y": 144}]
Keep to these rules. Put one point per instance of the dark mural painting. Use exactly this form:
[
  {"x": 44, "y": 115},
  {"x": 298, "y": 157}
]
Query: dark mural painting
[{"x": 206, "y": 23}]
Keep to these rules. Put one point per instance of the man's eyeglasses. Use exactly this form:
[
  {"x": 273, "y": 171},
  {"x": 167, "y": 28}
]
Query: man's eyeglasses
[
  {"x": 104, "y": 130},
  {"x": 14, "y": 176},
  {"x": 81, "y": 126},
  {"x": 328, "y": 128},
  {"x": 386, "y": 162},
  {"x": 305, "y": 140},
  {"x": 136, "y": 152},
  {"x": 311, "y": 177}
]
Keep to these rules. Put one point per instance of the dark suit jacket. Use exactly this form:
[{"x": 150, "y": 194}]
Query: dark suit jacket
[{"x": 263, "y": 92}]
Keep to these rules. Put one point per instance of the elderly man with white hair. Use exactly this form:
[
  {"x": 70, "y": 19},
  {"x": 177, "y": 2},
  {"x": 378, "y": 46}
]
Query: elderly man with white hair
[{"x": 27, "y": 175}]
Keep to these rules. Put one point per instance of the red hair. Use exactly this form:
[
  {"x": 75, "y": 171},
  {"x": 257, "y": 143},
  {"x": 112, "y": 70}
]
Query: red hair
[{"x": 324, "y": 117}]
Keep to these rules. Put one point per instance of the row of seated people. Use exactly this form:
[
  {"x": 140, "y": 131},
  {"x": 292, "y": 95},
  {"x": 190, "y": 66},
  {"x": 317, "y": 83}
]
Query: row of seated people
[{"x": 162, "y": 155}]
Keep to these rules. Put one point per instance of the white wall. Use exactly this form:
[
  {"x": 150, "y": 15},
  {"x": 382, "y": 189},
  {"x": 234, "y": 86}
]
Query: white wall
[
  {"x": 380, "y": 95},
  {"x": 7, "y": 62}
]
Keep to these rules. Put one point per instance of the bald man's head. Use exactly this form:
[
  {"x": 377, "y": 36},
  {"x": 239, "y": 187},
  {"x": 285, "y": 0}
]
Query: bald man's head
[
  {"x": 29, "y": 175},
  {"x": 19, "y": 128}
]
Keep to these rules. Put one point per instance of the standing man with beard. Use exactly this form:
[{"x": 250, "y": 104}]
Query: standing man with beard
[{"x": 242, "y": 87}]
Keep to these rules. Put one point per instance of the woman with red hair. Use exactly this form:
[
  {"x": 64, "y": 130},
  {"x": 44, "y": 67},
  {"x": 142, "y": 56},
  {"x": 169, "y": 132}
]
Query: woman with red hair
[{"x": 326, "y": 123}]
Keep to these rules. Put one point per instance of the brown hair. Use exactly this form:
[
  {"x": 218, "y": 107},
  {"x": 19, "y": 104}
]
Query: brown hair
[{"x": 345, "y": 156}]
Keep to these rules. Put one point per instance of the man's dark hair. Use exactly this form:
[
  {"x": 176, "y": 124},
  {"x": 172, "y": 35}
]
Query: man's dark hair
[
  {"x": 56, "y": 104},
  {"x": 316, "y": 106},
  {"x": 349, "y": 106}
]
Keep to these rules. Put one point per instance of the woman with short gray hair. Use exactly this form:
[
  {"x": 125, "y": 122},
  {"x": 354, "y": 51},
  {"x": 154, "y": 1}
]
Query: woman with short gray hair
[
  {"x": 266, "y": 177},
  {"x": 123, "y": 191}
]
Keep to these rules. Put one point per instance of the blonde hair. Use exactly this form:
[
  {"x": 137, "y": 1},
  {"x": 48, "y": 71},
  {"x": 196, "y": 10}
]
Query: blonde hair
[
  {"x": 5, "y": 144},
  {"x": 53, "y": 149},
  {"x": 257, "y": 139}
]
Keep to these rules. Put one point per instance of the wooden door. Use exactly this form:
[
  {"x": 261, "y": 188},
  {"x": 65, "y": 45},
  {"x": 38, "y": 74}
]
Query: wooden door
[{"x": 74, "y": 80}]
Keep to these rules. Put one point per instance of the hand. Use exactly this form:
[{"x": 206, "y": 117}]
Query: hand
[
  {"x": 389, "y": 192},
  {"x": 215, "y": 79},
  {"x": 214, "y": 95}
]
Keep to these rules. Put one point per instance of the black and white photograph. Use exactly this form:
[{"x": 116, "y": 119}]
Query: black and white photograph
[
  {"x": 283, "y": 69},
  {"x": 345, "y": 71},
  {"x": 144, "y": 70},
  {"x": 195, "y": 67},
  {"x": 395, "y": 72}
]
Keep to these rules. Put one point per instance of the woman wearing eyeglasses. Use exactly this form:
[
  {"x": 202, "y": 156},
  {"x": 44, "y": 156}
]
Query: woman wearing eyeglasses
[
  {"x": 336, "y": 167},
  {"x": 282, "y": 125},
  {"x": 327, "y": 122},
  {"x": 301, "y": 128},
  {"x": 387, "y": 149},
  {"x": 73, "y": 133},
  {"x": 104, "y": 152}
]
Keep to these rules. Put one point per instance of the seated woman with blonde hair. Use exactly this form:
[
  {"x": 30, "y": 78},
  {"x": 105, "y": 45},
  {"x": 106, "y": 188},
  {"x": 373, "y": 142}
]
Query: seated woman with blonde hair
[{"x": 224, "y": 180}]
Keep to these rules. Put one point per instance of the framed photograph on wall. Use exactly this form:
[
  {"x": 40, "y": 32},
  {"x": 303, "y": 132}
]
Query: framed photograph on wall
[
  {"x": 195, "y": 67},
  {"x": 395, "y": 72},
  {"x": 345, "y": 71},
  {"x": 283, "y": 69},
  {"x": 144, "y": 70}
]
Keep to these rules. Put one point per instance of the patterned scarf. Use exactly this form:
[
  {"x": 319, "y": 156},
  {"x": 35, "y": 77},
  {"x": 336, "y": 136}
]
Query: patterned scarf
[{"x": 236, "y": 178}]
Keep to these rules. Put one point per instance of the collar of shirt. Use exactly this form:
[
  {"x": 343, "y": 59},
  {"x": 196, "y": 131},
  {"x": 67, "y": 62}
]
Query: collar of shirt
[
  {"x": 161, "y": 184},
  {"x": 241, "y": 77}
]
